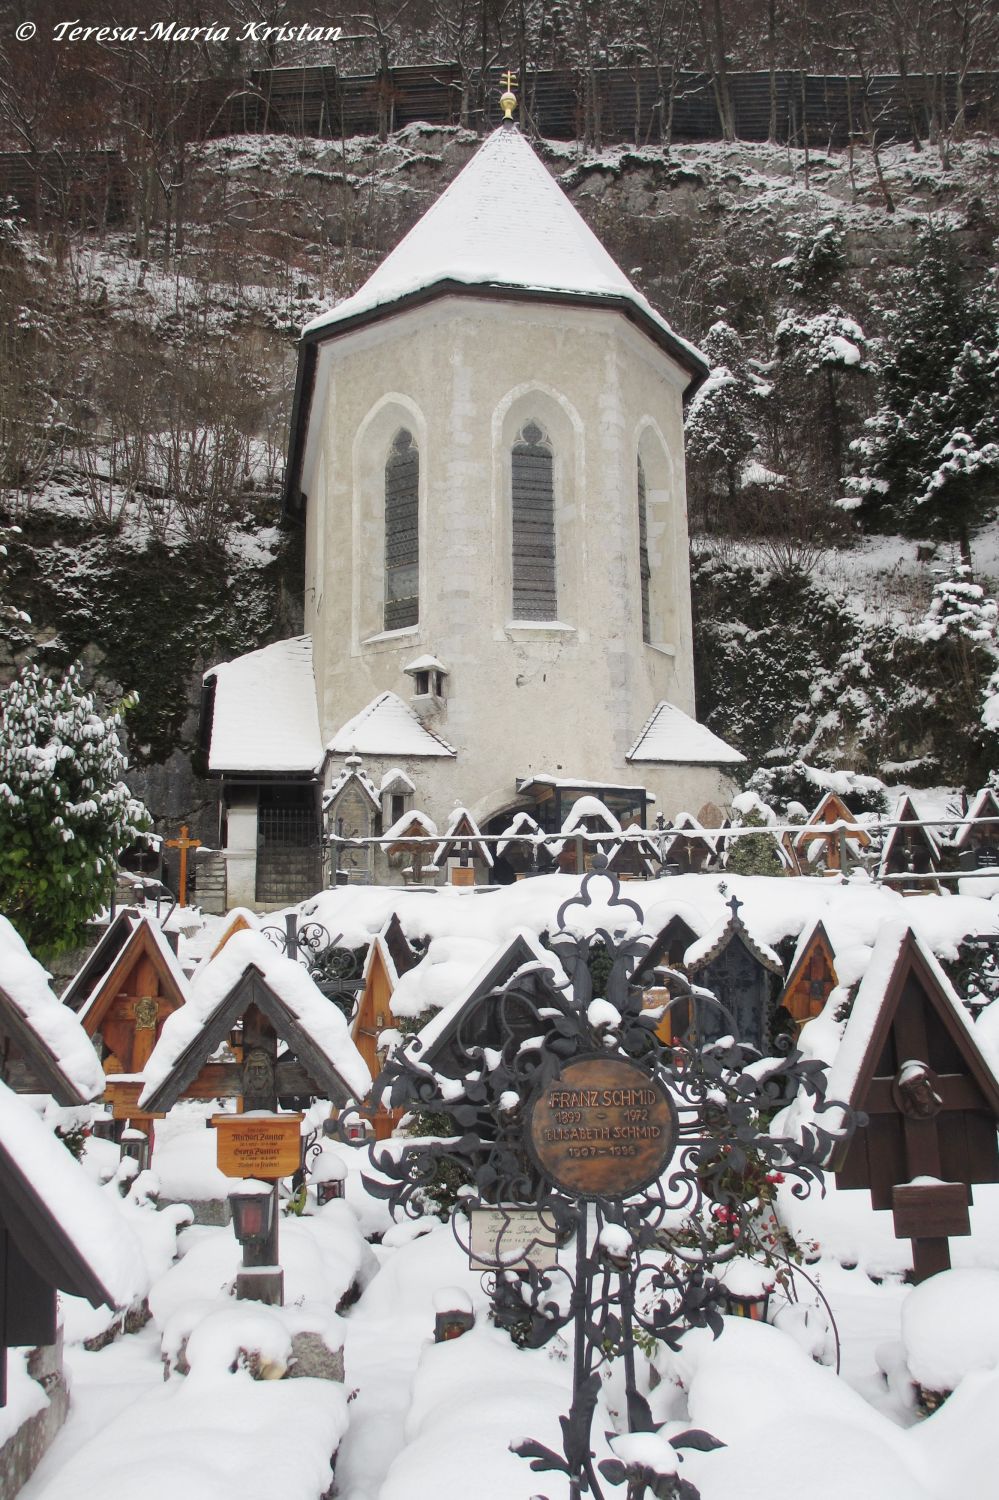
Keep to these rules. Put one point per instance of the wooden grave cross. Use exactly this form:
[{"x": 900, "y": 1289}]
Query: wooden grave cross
[{"x": 183, "y": 843}]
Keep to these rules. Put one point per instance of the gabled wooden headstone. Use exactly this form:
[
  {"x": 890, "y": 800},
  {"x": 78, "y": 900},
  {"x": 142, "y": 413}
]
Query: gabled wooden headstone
[
  {"x": 41, "y": 1246},
  {"x": 100, "y": 959},
  {"x": 812, "y": 978},
  {"x": 910, "y": 850},
  {"x": 30, "y": 1065},
  {"x": 634, "y": 857},
  {"x": 271, "y": 1010},
  {"x": 130, "y": 1002},
  {"x": 689, "y": 846},
  {"x": 470, "y": 1018},
  {"x": 744, "y": 976},
  {"x": 409, "y": 836},
  {"x": 979, "y": 841},
  {"x": 462, "y": 849},
  {"x": 389, "y": 957},
  {"x": 911, "y": 1061},
  {"x": 830, "y": 837},
  {"x": 239, "y": 921}
]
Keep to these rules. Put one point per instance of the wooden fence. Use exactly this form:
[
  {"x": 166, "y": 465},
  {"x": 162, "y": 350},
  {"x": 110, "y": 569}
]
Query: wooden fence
[{"x": 627, "y": 107}]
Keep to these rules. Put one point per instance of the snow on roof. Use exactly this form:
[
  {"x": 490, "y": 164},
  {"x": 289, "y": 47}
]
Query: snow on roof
[
  {"x": 523, "y": 824},
  {"x": 349, "y": 773},
  {"x": 446, "y": 972},
  {"x": 573, "y": 783},
  {"x": 396, "y": 777},
  {"x": 671, "y": 735},
  {"x": 425, "y": 663},
  {"x": 414, "y": 824},
  {"x": 100, "y": 1237},
  {"x": 381, "y": 946},
  {"x": 523, "y": 947},
  {"x": 870, "y": 998},
  {"x": 730, "y": 925},
  {"x": 685, "y": 825},
  {"x": 503, "y": 222},
  {"x": 387, "y": 726},
  {"x": 26, "y": 985},
  {"x": 266, "y": 716},
  {"x": 590, "y": 807},
  {"x": 984, "y": 805},
  {"x": 171, "y": 963},
  {"x": 463, "y": 825},
  {"x": 289, "y": 980}
]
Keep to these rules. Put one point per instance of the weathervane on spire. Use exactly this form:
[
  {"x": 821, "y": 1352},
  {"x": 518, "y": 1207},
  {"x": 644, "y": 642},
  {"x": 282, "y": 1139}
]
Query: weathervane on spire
[{"x": 508, "y": 100}]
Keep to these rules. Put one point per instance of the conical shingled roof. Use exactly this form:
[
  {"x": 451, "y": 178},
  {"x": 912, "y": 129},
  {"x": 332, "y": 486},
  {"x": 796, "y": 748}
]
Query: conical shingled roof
[{"x": 503, "y": 222}]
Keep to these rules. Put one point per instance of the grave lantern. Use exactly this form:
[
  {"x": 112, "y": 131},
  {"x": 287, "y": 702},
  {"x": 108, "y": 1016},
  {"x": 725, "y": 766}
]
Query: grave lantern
[
  {"x": 252, "y": 1213},
  {"x": 330, "y": 1177},
  {"x": 453, "y": 1314},
  {"x": 135, "y": 1144}
]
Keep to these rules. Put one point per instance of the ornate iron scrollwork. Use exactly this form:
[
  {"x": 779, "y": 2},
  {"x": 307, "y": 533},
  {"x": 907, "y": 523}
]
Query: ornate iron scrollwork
[{"x": 645, "y": 1262}]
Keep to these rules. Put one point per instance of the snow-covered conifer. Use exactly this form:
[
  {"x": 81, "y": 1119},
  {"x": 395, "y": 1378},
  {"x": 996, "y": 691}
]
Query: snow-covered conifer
[
  {"x": 65, "y": 813},
  {"x": 928, "y": 460}
]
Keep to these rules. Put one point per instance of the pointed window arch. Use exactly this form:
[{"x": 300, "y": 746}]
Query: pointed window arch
[
  {"x": 535, "y": 593},
  {"x": 402, "y": 536},
  {"x": 644, "y": 571}
]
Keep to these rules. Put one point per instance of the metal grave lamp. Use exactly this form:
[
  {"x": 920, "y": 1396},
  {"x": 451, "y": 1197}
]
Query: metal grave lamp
[
  {"x": 453, "y": 1314},
  {"x": 745, "y": 1287},
  {"x": 135, "y": 1145},
  {"x": 252, "y": 1212},
  {"x": 329, "y": 1173}
]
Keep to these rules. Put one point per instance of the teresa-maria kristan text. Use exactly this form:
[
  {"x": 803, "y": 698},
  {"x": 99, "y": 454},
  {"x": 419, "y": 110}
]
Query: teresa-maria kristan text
[{"x": 173, "y": 31}]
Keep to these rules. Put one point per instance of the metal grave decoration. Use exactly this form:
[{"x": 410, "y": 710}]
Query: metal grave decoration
[{"x": 580, "y": 1142}]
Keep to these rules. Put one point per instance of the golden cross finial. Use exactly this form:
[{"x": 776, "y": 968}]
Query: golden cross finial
[{"x": 508, "y": 101}]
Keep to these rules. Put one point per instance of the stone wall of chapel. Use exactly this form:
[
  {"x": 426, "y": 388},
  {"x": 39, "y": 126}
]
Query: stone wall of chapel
[{"x": 463, "y": 375}]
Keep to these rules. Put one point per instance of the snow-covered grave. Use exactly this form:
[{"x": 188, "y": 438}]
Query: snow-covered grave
[{"x": 424, "y": 1419}]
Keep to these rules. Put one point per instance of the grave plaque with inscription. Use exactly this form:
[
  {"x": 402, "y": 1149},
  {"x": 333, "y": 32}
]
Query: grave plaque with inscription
[
  {"x": 511, "y": 1238},
  {"x": 259, "y": 1144},
  {"x": 603, "y": 1129}
]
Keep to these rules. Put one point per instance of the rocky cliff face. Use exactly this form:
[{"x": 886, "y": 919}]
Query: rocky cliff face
[{"x": 156, "y": 397}]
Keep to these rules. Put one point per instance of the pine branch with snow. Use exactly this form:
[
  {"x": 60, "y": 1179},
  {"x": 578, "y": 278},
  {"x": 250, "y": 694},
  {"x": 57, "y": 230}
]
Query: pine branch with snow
[{"x": 66, "y": 815}]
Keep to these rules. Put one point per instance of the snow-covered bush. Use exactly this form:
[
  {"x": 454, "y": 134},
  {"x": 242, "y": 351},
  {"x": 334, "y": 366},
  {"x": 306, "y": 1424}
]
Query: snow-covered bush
[
  {"x": 929, "y": 455},
  {"x": 65, "y": 813}
]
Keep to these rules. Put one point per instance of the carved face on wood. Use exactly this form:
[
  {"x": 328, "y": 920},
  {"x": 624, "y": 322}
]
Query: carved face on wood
[
  {"x": 914, "y": 1091},
  {"x": 258, "y": 1075}
]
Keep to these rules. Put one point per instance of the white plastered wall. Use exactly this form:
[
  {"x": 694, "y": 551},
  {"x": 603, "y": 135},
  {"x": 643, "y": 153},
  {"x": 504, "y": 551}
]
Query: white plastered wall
[{"x": 569, "y": 696}]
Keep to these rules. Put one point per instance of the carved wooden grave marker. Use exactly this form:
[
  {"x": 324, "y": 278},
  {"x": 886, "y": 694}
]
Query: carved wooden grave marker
[
  {"x": 744, "y": 976},
  {"x": 281, "y": 1005},
  {"x": 911, "y": 1061},
  {"x": 812, "y": 978}
]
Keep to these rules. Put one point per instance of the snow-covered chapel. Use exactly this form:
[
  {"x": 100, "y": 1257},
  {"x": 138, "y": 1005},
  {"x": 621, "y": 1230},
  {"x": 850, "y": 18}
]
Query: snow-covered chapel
[{"x": 487, "y": 454}]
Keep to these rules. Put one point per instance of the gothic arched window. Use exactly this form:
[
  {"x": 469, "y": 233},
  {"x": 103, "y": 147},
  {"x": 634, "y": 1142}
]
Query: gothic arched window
[
  {"x": 535, "y": 596},
  {"x": 402, "y": 533},
  {"x": 644, "y": 571}
]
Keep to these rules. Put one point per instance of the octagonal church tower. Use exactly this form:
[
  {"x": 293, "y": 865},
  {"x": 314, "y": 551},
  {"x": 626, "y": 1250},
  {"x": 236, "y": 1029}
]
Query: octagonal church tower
[{"x": 487, "y": 450}]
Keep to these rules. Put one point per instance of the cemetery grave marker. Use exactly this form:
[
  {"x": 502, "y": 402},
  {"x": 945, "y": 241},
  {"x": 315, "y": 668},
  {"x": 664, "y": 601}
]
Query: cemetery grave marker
[
  {"x": 575, "y": 1122},
  {"x": 909, "y": 1059}
]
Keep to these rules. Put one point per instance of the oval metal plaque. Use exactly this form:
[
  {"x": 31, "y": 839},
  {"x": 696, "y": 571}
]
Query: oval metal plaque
[{"x": 604, "y": 1129}]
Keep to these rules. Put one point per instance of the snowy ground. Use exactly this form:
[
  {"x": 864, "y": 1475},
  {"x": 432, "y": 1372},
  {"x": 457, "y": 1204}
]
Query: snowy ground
[
  {"x": 424, "y": 1421},
  {"x": 820, "y": 1403}
]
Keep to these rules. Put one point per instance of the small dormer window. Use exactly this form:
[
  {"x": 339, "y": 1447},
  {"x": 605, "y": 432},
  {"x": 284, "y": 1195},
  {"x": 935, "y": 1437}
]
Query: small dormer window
[
  {"x": 425, "y": 683},
  {"x": 428, "y": 676}
]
